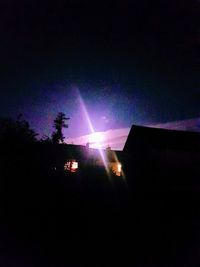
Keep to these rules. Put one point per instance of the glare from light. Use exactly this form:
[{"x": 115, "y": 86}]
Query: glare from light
[
  {"x": 119, "y": 167},
  {"x": 93, "y": 133},
  {"x": 74, "y": 165},
  {"x": 71, "y": 166},
  {"x": 96, "y": 138}
]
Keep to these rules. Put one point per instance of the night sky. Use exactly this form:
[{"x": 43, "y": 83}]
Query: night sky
[{"x": 129, "y": 62}]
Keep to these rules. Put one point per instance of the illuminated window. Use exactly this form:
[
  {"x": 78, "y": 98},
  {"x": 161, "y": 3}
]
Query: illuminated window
[
  {"x": 67, "y": 165},
  {"x": 119, "y": 167},
  {"x": 116, "y": 168},
  {"x": 71, "y": 166},
  {"x": 74, "y": 166}
]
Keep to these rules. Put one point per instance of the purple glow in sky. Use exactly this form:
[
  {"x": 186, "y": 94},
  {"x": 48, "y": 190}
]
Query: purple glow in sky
[
  {"x": 107, "y": 109},
  {"x": 128, "y": 68},
  {"x": 116, "y": 138}
]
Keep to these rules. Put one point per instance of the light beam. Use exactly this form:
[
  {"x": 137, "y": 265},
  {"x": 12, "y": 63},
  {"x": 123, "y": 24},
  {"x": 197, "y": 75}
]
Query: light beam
[{"x": 92, "y": 130}]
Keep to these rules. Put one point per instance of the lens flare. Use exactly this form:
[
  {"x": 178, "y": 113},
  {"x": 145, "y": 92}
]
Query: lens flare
[
  {"x": 119, "y": 167},
  {"x": 94, "y": 134},
  {"x": 97, "y": 139}
]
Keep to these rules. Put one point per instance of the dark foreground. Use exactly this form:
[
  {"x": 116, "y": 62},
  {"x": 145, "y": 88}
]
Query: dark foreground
[{"x": 48, "y": 218}]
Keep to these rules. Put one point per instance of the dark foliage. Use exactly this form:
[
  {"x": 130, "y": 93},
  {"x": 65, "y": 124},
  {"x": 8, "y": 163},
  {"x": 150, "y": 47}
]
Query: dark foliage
[{"x": 16, "y": 131}]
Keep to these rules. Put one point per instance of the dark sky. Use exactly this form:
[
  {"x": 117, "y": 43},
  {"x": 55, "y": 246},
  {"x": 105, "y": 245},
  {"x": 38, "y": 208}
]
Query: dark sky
[{"x": 131, "y": 61}]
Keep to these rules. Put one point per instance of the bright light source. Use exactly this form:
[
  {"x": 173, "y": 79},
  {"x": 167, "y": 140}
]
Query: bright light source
[
  {"x": 93, "y": 131},
  {"x": 96, "y": 138},
  {"x": 71, "y": 166},
  {"x": 74, "y": 165},
  {"x": 116, "y": 168},
  {"x": 119, "y": 167}
]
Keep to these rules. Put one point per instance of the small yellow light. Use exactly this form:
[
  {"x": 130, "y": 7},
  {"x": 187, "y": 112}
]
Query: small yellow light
[{"x": 119, "y": 167}]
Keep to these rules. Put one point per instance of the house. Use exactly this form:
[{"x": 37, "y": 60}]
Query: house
[
  {"x": 154, "y": 156},
  {"x": 154, "y": 138},
  {"x": 71, "y": 158}
]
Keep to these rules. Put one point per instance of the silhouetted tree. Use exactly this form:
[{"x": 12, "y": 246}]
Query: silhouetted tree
[
  {"x": 16, "y": 131},
  {"x": 59, "y": 124}
]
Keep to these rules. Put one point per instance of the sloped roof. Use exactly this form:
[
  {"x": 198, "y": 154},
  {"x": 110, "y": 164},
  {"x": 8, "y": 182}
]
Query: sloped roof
[
  {"x": 191, "y": 125},
  {"x": 141, "y": 136}
]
